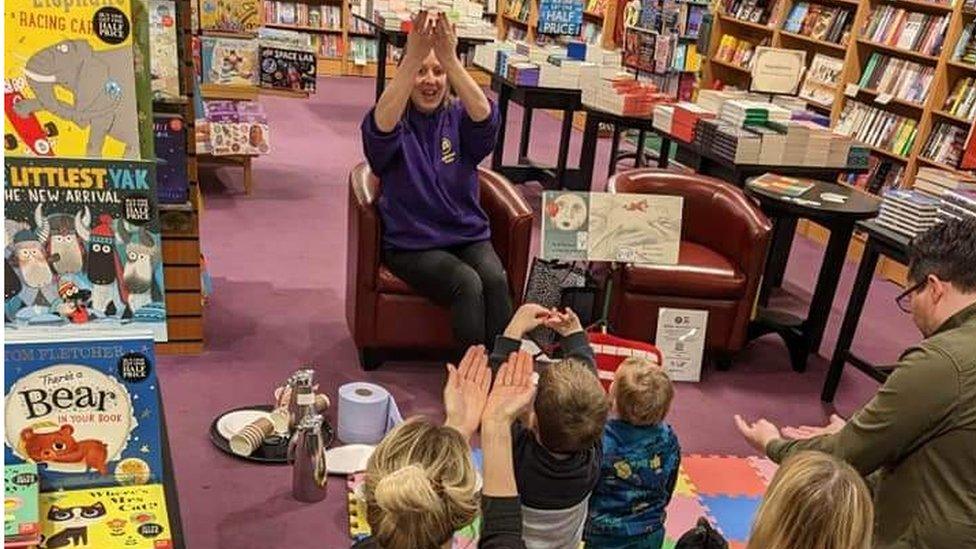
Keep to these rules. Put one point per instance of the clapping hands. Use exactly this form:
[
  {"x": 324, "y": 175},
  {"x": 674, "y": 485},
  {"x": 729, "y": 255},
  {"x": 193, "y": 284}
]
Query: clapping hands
[
  {"x": 467, "y": 400},
  {"x": 432, "y": 32}
]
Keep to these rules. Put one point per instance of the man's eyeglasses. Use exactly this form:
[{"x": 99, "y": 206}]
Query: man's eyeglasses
[{"x": 904, "y": 299}]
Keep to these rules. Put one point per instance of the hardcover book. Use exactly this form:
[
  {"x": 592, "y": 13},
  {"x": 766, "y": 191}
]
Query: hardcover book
[
  {"x": 289, "y": 69},
  {"x": 21, "y": 490},
  {"x": 69, "y": 80},
  {"x": 100, "y": 518},
  {"x": 172, "y": 182},
  {"x": 85, "y": 411},
  {"x": 821, "y": 79},
  {"x": 82, "y": 246},
  {"x": 164, "y": 55}
]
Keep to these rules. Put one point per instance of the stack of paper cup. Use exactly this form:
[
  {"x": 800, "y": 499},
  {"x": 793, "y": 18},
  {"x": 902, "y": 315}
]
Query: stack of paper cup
[{"x": 245, "y": 442}]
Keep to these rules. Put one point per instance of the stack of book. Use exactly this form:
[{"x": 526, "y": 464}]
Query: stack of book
[
  {"x": 961, "y": 101},
  {"x": 906, "y": 80},
  {"x": 878, "y": 128},
  {"x": 935, "y": 182},
  {"x": 773, "y": 145},
  {"x": 907, "y": 30},
  {"x": 756, "y": 11},
  {"x": 685, "y": 120},
  {"x": 782, "y": 185},
  {"x": 882, "y": 174},
  {"x": 966, "y": 46},
  {"x": 664, "y": 117},
  {"x": 737, "y": 145},
  {"x": 957, "y": 204},
  {"x": 628, "y": 97},
  {"x": 711, "y": 100},
  {"x": 523, "y": 73},
  {"x": 908, "y": 212},
  {"x": 945, "y": 144},
  {"x": 830, "y": 24},
  {"x": 746, "y": 113}
]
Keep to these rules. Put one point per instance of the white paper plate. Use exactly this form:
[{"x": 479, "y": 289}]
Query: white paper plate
[
  {"x": 230, "y": 424},
  {"x": 348, "y": 459}
]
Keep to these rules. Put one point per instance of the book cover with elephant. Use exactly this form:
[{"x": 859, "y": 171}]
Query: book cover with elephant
[
  {"x": 82, "y": 247},
  {"x": 69, "y": 81},
  {"x": 98, "y": 518},
  {"x": 85, "y": 411}
]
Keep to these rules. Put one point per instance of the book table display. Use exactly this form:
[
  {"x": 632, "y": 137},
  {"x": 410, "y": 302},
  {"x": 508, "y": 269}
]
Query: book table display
[
  {"x": 880, "y": 241},
  {"x": 803, "y": 336}
]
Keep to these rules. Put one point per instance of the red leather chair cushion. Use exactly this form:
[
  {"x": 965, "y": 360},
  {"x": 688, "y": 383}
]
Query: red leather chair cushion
[
  {"x": 389, "y": 283},
  {"x": 700, "y": 272}
]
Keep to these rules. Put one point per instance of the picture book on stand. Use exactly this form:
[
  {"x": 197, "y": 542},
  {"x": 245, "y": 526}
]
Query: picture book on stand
[
  {"x": 172, "y": 181},
  {"x": 164, "y": 56},
  {"x": 85, "y": 411},
  {"x": 82, "y": 248},
  {"x": 69, "y": 80},
  {"x": 133, "y": 517},
  {"x": 21, "y": 525}
]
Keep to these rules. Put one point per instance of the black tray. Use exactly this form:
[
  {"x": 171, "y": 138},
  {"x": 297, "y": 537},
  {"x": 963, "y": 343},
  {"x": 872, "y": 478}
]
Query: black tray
[{"x": 273, "y": 450}]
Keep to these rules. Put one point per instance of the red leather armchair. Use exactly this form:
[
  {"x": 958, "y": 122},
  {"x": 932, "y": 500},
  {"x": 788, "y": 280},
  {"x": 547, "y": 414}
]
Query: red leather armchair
[
  {"x": 383, "y": 312},
  {"x": 724, "y": 238}
]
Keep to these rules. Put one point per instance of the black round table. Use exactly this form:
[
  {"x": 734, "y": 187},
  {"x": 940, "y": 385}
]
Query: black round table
[{"x": 803, "y": 336}]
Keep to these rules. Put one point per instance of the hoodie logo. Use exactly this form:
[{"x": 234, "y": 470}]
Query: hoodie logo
[{"x": 447, "y": 151}]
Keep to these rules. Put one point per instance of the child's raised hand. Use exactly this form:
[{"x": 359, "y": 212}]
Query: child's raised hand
[
  {"x": 527, "y": 318},
  {"x": 565, "y": 322},
  {"x": 513, "y": 391},
  {"x": 466, "y": 390}
]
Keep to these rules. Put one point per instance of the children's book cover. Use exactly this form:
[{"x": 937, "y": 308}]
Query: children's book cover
[
  {"x": 82, "y": 246},
  {"x": 629, "y": 228},
  {"x": 21, "y": 488},
  {"x": 144, "y": 95},
  {"x": 164, "y": 54},
  {"x": 172, "y": 182},
  {"x": 86, "y": 411},
  {"x": 289, "y": 69},
  {"x": 231, "y": 62},
  {"x": 229, "y": 15},
  {"x": 99, "y": 518},
  {"x": 69, "y": 80}
]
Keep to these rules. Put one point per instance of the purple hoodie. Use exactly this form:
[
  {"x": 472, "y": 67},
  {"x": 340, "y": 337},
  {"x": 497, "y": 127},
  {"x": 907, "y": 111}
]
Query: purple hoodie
[{"x": 428, "y": 166}]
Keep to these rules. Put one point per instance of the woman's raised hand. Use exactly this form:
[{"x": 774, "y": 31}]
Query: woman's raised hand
[{"x": 420, "y": 39}]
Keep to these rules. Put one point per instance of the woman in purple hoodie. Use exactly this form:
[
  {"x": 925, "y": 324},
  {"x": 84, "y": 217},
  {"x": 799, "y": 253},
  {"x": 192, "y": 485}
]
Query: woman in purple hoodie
[{"x": 425, "y": 146}]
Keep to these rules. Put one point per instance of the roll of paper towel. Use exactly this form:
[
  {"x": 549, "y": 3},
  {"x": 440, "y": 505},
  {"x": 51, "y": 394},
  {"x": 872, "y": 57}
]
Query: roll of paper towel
[{"x": 366, "y": 412}]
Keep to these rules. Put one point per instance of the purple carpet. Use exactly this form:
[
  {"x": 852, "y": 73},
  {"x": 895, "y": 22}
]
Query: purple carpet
[{"x": 278, "y": 264}]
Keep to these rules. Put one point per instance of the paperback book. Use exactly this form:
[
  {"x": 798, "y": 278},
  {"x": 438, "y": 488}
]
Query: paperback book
[{"x": 99, "y": 518}]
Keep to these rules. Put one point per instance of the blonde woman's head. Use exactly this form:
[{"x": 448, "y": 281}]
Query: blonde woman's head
[
  {"x": 815, "y": 501},
  {"x": 420, "y": 486}
]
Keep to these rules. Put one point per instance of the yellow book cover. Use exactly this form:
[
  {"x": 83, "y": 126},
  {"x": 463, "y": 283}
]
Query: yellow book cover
[
  {"x": 692, "y": 59},
  {"x": 69, "y": 80},
  {"x": 133, "y": 517}
]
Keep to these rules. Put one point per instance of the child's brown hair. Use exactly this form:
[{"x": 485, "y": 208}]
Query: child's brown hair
[
  {"x": 570, "y": 407},
  {"x": 642, "y": 392}
]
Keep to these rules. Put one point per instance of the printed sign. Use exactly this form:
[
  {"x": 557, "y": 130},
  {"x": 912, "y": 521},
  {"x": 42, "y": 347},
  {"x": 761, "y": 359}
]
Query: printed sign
[
  {"x": 563, "y": 17},
  {"x": 777, "y": 70},
  {"x": 681, "y": 339}
]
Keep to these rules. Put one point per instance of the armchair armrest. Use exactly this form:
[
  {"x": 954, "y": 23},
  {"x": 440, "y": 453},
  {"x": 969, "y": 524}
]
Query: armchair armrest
[
  {"x": 362, "y": 251},
  {"x": 510, "y": 218}
]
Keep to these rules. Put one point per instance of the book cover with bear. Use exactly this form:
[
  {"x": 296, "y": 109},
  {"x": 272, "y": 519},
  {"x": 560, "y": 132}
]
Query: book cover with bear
[
  {"x": 86, "y": 411},
  {"x": 97, "y": 518},
  {"x": 82, "y": 246},
  {"x": 69, "y": 81}
]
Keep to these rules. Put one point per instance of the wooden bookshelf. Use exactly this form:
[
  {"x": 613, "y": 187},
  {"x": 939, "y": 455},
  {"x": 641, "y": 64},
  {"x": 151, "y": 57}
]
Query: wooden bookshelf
[{"x": 300, "y": 28}]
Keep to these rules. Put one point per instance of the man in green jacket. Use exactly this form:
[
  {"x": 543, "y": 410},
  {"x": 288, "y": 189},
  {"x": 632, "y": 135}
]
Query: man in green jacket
[{"x": 916, "y": 439}]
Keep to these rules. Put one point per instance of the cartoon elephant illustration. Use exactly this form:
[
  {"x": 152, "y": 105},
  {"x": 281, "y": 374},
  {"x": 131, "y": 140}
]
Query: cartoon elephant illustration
[{"x": 97, "y": 81}]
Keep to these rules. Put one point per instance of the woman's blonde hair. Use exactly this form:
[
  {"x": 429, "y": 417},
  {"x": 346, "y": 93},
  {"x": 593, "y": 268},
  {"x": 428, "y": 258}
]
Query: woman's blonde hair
[
  {"x": 420, "y": 486},
  {"x": 815, "y": 501}
]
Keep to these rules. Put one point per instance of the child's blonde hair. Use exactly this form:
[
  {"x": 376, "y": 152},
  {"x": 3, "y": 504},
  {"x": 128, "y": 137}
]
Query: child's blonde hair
[
  {"x": 642, "y": 392},
  {"x": 420, "y": 486},
  {"x": 570, "y": 407},
  {"x": 815, "y": 501}
]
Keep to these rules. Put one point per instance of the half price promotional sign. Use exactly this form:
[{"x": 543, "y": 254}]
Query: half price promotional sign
[{"x": 563, "y": 17}]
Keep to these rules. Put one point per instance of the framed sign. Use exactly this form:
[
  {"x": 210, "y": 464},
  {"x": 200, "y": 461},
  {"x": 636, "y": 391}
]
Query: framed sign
[
  {"x": 775, "y": 70},
  {"x": 562, "y": 17},
  {"x": 681, "y": 339}
]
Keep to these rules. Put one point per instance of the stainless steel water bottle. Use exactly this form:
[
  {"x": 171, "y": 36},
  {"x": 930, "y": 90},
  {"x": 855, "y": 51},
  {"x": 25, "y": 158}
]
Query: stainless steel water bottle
[{"x": 302, "y": 401}]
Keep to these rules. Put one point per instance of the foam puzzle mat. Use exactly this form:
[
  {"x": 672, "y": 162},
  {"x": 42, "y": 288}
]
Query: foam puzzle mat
[{"x": 724, "y": 489}]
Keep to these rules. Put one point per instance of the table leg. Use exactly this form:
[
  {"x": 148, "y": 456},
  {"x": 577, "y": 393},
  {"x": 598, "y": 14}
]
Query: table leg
[
  {"x": 381, "y": 43},
  {"x": 525, "y": 136},
  {"x": 497, "y": 156},
  {"x": 565, "y": 135},
  {"x": 639, "y": 159},
  {"x": 823, "y": 294},
  {"x": 859, "y": 294},
  {"x": 588, "y": 151},
  {"x": 664, "y": 154},
  {"x": 779, "y": 253},
  {"x": 614, "y": 150}
]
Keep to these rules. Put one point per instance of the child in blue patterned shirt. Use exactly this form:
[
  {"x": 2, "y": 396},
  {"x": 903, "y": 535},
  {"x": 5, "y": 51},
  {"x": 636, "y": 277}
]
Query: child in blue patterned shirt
[{"x": 640, "y": 461}]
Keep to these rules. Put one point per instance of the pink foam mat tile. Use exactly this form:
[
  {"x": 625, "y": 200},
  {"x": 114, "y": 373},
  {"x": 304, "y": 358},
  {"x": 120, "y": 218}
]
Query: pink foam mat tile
[
  {"x": 682, "y": 515},
  {"x": 723, "y": 475},
  {"x": 764, "y": 466}
]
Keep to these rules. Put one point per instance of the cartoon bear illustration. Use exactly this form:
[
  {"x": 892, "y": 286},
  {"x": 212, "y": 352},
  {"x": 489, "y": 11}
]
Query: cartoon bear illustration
[{"x": 61, "y": 447}]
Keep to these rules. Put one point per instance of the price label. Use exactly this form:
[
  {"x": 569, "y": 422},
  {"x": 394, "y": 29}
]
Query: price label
[
  {"x": 883, "y": 98},
  {"x": 851, "y": 90}
]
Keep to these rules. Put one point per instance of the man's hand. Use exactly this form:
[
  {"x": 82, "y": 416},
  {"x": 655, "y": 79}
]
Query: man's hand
[
  {"x": 445, "y": 41},
  {"x": 466, "y": 391},
  {"x": 420, "y": 39},
  {"x": 527, "y": 318},
  {"x": 513, "y": 391},
  {"x": 808, "y": 431},
  {"x": 758, "y": 434},
  {"x": 564, "y": 323}
]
